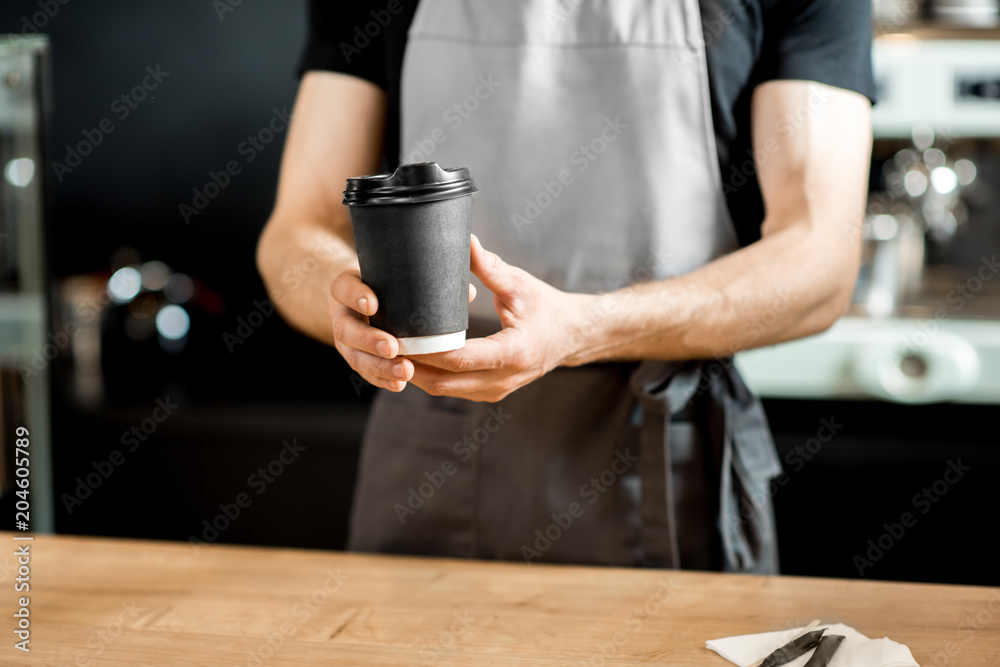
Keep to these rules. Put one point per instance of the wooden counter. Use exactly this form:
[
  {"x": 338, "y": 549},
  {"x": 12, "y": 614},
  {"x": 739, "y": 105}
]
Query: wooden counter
[{"x": 124, "y": 602}]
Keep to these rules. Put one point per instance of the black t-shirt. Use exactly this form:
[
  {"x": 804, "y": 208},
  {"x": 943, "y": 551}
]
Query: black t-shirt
[{"x": 748, "y": 42}]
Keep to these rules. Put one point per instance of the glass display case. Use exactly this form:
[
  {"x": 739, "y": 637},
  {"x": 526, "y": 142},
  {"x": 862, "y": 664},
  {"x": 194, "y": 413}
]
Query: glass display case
[{"x": 27, "y": 346}]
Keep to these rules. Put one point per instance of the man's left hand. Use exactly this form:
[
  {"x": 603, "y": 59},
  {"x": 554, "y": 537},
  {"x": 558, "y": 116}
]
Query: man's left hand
[{"x": 538, "y": 325}]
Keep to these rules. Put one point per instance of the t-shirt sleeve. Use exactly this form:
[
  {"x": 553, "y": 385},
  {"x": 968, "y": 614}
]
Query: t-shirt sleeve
[
  {"x": 340, "y": 40},
  {"x": 828, "y": 41}
]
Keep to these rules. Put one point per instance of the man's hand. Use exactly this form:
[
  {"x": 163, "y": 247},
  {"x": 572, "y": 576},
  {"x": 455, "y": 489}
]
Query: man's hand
[
  {"x": 368, "y": 350},
  {"x": 537, "y": 322}
]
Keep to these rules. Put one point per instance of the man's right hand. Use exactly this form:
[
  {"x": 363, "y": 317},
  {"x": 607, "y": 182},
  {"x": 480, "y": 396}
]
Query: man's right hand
[{"x": 369, "y": 351}]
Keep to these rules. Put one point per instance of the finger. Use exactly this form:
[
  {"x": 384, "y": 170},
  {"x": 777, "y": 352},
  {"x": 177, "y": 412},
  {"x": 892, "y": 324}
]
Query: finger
[
  {"x": 472, "y": 292},
  {"x": 376, "y": 369},
  {"x": 475, "y": 386},
  {"x": 351, "y": 331},
  {"x": 479, "y": 354},
  {"x": 394, "y": 386},
  {"x": 499, "y": 277},
  {"x": 348, "y": 289}
]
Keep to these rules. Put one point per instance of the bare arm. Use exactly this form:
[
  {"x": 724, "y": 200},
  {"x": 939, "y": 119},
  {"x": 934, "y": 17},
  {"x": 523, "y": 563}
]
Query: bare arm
[
  {"x": 336, "y": 133},
  {"x": 798, "y": 279},
  {"x": 306, "y": 252}
]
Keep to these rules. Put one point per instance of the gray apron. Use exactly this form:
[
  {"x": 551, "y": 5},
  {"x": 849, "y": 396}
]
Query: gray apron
[{"x": 589, "y": 132}]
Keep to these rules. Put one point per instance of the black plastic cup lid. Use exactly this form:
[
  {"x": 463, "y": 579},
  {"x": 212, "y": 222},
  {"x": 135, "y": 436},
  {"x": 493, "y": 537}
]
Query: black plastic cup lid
[{"x": 410, "y": 184}]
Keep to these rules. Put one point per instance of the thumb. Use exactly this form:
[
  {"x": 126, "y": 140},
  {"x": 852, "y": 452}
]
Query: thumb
[{"x": 497, "y": 275}]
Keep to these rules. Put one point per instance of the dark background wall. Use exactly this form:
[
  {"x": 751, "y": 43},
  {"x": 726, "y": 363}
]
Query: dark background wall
[
  {"x": 237, "y": 405},
  {"x": 220, "y": 80}
]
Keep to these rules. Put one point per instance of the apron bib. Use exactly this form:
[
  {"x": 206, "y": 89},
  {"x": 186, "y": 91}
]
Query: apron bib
[{"x": 588, "y": 129}]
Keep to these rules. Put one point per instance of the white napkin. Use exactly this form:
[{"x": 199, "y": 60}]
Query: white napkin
[{"x": 855, "y": 651}]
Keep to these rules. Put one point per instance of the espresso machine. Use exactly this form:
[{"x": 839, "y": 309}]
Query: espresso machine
[
  {"x": 911, "y": 374},
  {"x": 924, "y": 326}
]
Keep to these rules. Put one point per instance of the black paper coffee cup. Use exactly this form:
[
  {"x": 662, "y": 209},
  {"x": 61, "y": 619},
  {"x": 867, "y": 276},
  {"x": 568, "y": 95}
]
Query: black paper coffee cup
[{"x": 411, "y": 232}]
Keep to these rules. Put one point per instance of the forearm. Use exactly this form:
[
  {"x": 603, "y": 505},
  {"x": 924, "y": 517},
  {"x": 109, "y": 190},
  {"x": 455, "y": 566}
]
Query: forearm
[
  {"x": 796, "y": 281},
  {"x": 793, "y": 283},
  {"x": 298, "y": 263},
  {"x": 336, "y": 133}
]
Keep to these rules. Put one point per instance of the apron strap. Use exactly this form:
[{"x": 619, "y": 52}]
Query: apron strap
[
  {"x": 748, "y": 462},
  {"x": 746, "y": 517},
  {"x": 663, "y": 389}
]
